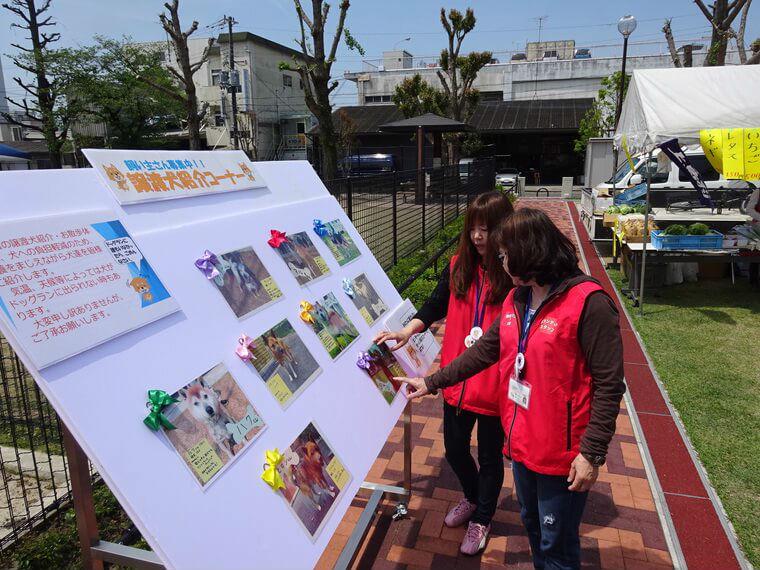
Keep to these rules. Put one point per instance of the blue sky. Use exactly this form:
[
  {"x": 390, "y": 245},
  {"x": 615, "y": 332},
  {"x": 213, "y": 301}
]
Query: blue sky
[{"x": 503, "y": 25}]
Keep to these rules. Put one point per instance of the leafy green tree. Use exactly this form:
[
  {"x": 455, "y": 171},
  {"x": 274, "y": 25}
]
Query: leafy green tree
[
  {"x": 135, "y": 113},
  {"x": 47, "y": 75},
  {"x": 599, "y": 120},
  {"x": 415, "y": 96}
]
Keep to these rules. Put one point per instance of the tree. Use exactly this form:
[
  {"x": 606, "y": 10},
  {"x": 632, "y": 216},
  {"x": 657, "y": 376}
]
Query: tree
[
  {"x": 347, "y": 129},
  {"x": 599, "y": 120},
  {"x": 668, "y": 31},
  {"x": 723, "y": 14},
  {"x": 414, "y": 96},
  {"x": 172, "y": 26},
  {"x": 45, "y": 107},
  {"x": 134, "y": 113},
  {"x": 458, "y": 73},
  {"x": 315, "y": 68}
]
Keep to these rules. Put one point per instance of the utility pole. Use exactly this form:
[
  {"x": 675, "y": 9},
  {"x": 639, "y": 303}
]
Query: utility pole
[{"x": 234, "y": 82}]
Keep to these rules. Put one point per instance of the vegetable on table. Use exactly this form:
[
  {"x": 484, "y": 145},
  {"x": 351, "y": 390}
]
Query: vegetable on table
[
  {"x": 675, "y": 230},
  {"x": 698, "y": 229}
]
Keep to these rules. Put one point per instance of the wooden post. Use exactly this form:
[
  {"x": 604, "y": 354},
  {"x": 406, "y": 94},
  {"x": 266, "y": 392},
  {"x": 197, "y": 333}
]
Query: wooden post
[{"x": 84, "y": 507}]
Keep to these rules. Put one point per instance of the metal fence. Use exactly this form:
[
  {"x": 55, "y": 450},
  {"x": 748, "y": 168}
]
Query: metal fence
[
  {"x": 392, "y": 216},
  {"x": 397, "y": 213}
]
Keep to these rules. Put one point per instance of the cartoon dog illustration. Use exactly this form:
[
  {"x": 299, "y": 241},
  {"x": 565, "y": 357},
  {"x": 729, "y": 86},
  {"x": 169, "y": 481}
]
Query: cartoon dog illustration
[
  {"x": 115, "y": 175},
  {"x": 141, "y": 286},
  {"x": 207, "y": 406},
  {"x": 310, "y": 476},
  {"x": 413, "y": 355},
  {"x": 282, "y": 354}
]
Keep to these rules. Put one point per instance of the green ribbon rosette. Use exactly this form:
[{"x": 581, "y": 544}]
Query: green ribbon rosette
[{"x": 157, "y": 401}]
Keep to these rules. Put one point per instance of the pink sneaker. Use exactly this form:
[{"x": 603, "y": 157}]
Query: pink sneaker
[
  {"x": 474, "y": 539},
  {"x": 460, "y": 514}
]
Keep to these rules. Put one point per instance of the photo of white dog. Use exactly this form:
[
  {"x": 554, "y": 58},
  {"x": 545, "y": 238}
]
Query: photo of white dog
[
  {"x": 214, "y": 422},
  {"x": 366, "y": 297}
]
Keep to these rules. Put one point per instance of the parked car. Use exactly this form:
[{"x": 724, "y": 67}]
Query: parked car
[
  {"x": 368, "y": 164},
  {"x": 507, "y": 177},
  {"x": 582, "y": 53},
  {"x": 668, "y": 183}
]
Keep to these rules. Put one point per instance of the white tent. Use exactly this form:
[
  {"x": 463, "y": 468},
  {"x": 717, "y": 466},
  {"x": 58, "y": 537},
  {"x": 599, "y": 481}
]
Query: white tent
[{"x": 662, "y": 104}]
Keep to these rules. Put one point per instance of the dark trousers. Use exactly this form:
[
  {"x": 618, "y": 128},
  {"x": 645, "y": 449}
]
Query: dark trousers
[
  {"x": 481, "y": 486},
  {"x": 552, "y": 516}
]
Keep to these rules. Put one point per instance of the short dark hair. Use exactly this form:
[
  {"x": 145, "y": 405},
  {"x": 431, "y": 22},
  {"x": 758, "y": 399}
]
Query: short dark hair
[{"x": 537, "y": 250}]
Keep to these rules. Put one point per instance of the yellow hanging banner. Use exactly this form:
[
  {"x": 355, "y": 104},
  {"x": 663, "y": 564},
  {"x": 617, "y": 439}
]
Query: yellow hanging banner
[
  {"x": 628, "y": 154},
  {"x": 751, "y": 154},
  {"x": 712, "y": 144},
  {"x": 733, "y": 153}
]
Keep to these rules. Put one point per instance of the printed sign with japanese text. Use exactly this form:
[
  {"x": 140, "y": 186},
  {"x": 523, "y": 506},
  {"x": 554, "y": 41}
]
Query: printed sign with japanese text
[
  {"x": 146, "y": 175},
  {"x": 71, "y": 282}
]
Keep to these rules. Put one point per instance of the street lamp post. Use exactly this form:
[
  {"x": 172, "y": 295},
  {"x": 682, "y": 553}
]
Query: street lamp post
[
  {"x": 626, "y": 26},
  {"x": 395, "y": 46}
]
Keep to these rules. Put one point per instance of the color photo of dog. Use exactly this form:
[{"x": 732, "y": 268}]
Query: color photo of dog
[
  {"x": 332, "y": 325},
  {"x": 302, "y": 258},
  {"x": 280, "y": 352},
  {"x": 340, "y": 243},
  {"x": 366, "y": 297},
  {"x": 310, "y": 490},
  {"x": 383, "y": 368},
  {"x": 241, "y": 281},
  {"x": 212, "y": 409}
]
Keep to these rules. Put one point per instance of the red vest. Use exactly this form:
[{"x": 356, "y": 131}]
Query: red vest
[
  {"x": 479, "y": 394},
  {"x": 546, "y": 437}
]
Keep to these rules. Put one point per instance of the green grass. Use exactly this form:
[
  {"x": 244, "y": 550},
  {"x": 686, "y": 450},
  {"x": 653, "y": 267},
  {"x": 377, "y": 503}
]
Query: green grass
[{"x": 704, "y": 339}]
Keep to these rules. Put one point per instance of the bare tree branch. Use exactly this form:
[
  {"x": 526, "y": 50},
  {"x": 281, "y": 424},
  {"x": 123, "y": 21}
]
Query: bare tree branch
[
  {"x": 740, "y": 45},
  {"x": 705, "y": 11},
  {"x": 733, "y": 13},
  {"x": 339, "y": 31},
  {"x": 671, "y": 43}
]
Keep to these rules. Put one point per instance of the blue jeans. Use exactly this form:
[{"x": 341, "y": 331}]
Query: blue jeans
[{"x": 552, "y": 516}]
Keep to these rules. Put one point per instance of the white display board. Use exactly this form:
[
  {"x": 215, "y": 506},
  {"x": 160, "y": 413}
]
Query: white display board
[
  {"x": 136, "y": 176},
  {"x": 238, "y": 522}
]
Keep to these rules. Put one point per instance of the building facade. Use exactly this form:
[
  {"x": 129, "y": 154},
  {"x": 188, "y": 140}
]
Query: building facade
[{"x": 272, "y": 116}]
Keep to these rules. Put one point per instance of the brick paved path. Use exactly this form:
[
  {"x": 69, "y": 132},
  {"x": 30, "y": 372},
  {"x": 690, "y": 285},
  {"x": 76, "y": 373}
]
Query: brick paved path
[{"x": 621, "y": 528}]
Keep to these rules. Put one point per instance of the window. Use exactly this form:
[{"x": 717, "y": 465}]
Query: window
[
  {"x": 216, "y": 77},
  {"x": 660, "y": 172},
  {"x": 491, "y": 96},
  {"x": 300, "y": 83},
  {"x": 703, "y": 166},
  {"x": 300, "y": 128},
  {"x": 16, "y": 133},
  {"x": 287, "y": 80},
  {"x": 377, "y": 98},
  {"x": 550, "y": 53}
]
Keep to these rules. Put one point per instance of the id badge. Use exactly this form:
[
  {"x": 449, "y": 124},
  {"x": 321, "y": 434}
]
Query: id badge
[{"x": 519, "y": 392}]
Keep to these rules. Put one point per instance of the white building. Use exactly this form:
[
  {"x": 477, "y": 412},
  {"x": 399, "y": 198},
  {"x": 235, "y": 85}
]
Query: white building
[
  {"x": 272, "y": 113},
  {"x": 547, "y": 78}
]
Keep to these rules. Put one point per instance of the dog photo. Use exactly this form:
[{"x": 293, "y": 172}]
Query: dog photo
[
  {"x": 302, "y": 258},
  {"x": 335, "y": 330},
  {"x": 284, "y": 363},
  {"x": 314, "y": 478},
  {"x": 244, "y": 282},
  {"x": 367, "y": 301},
  {"x": 340, "y": 243},
  {"x": 383, "y": 366},
  {"x": 215, "y": 422}
]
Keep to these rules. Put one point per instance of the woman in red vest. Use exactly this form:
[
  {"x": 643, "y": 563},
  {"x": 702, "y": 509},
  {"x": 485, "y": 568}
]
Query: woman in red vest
[
  {"x": 560, "y": 356},
  {"x": 469, "y": 295}
]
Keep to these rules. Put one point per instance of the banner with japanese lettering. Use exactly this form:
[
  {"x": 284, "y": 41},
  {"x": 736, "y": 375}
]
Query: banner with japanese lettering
[
  {"x": 71, "y": 282},
  {"x": 733, "y": 152},
  {"x": 146, "y": 175}
]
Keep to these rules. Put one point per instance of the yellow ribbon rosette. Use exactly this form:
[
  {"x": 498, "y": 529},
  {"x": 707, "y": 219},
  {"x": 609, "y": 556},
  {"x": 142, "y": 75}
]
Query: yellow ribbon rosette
[
  {"x": 306, "y": 317},
  {"x": 270, "y": 476}
]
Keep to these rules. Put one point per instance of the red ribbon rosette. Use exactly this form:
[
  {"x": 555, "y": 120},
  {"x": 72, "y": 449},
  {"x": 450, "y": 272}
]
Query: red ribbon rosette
[{"x": 278, "y": 238}]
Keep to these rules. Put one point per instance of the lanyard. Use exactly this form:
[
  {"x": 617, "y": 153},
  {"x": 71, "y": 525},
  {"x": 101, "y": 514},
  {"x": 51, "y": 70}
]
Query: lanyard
[
  {"x": 479, "y": 315},
  {"x": 525, "y": 324}
]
